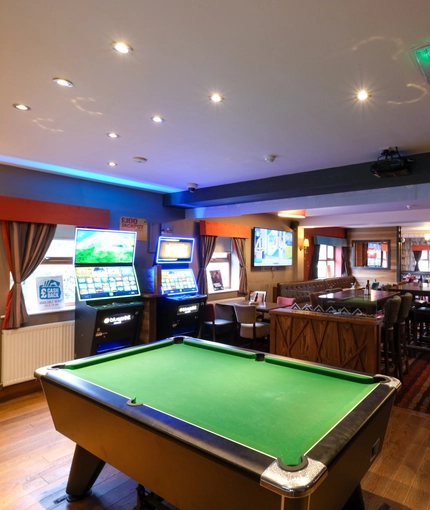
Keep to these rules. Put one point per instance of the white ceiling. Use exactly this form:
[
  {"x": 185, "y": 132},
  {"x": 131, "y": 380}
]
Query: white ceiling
[{"x": 289, "y": 72}]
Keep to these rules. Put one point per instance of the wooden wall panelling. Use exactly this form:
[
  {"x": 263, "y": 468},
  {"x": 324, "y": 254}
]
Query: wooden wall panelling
[{"x": 342, "y": 341}]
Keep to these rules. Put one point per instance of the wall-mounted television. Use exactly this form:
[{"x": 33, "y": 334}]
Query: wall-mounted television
[
  {"x": 174, "y": 250},
  {"x": 271, "y": 247},
  {"x": 104, "y": 247},
  {"x": 105, "y": 282},
  {"x": 178, "y": 281}
]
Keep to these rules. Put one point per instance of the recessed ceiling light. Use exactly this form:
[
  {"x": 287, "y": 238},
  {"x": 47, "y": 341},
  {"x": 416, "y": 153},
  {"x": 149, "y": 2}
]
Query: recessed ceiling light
[
  {"x": 363, "y": 95},
  {"x": 112, "y": 163},
  {"x": 112, "y": 135},
  {"x": 121, "y": 47},
  {"x": 62, "y": 82},
  {"x": 21, "y": 107},
  {"x": 216, "y": 98},
  {"x": 157, "y": 119},
  {"x": 139, "y": 159},
  {"x": 297, "y": 213}
]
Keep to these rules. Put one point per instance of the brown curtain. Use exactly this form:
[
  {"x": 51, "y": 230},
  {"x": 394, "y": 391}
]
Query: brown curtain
[
  {"x": 239, "y": 247},
  {"x": 346, "y": 264},
  {"x": 207, "y": 248},
  {"x": 26, "y": 245},
  {"x": 313, "y": 270}
]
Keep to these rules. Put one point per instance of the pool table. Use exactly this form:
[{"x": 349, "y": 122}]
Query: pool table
[{"x": 209, "y": 426}]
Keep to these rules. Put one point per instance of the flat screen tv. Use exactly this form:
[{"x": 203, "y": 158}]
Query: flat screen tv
[
  {"x": 174, "y": 250},
  {"x": 272, "y": 247},
  {"x": 104, "y": 247},
  {"x": 178, "y": 281},
  {"x": 105, "y": 282}
]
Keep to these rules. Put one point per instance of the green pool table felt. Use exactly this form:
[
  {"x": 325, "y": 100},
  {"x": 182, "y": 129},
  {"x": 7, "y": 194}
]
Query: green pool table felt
[{"x": 279, "y": 407}]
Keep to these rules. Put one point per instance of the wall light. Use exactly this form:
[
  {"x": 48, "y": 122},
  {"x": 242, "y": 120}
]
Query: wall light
[
  {"x": 305, "y": 245},
  {"x": 297, "y": 213},
  {"x": 427, "y": 237}
]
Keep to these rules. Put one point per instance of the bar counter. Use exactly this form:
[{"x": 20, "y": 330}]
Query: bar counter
[{"x": 345, "y": 341}]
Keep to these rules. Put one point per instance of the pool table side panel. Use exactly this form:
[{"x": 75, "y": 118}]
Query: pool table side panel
[
  {"x": 176, "y": 471},
  {"x": 349, "y": 466}
]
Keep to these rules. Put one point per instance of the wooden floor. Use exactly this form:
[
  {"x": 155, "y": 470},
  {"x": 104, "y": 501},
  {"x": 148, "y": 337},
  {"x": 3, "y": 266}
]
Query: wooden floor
[{"x": 35, "y": 461}]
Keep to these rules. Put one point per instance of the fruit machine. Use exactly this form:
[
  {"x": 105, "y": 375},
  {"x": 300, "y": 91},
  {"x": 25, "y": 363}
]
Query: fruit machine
[
  {"x": 109, "y": 309},
  {"x": 180, "y": 308}
]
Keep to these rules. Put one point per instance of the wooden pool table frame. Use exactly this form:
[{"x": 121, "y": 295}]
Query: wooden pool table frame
[{"x": 193, "y": 468}]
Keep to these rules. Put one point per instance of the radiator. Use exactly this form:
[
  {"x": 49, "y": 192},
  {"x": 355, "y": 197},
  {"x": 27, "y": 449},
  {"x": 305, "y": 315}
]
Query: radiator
[{"x": 25, "y": 349}]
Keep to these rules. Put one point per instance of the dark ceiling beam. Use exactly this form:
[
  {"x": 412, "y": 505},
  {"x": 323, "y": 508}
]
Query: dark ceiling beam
[{"x": 317, "y": 182}]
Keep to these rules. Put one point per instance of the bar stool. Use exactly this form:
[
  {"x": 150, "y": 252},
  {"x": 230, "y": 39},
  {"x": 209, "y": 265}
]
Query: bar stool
[
  {"x": 420, "y": 325},
  {"x": 391, "y": 312},
  {"x": 402, "y": 334}
]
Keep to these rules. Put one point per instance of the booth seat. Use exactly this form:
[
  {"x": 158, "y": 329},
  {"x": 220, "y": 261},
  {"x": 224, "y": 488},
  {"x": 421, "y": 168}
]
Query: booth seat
[{"x": 302, "y": 290}]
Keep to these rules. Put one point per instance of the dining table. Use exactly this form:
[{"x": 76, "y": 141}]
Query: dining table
[
  {"x": 262, "y": 307},
  {"x": 370, "y": 302},
  {"x": 416, "y": 289}
]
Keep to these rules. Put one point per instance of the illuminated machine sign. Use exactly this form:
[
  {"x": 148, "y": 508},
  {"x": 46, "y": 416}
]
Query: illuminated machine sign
[
  {"x": 118, "y": 319},
  {"x": 187, "y": 309},
  {"x": 174, "y": 250}
]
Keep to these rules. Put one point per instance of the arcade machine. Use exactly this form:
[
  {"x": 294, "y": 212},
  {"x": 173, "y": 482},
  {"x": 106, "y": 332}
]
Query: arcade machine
[
  {"x": 180, "y": 309},
  {"x": 109, "y": 310}
]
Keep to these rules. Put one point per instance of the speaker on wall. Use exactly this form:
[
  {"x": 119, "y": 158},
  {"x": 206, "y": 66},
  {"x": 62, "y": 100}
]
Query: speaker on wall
[{"x": 294, "y": 224}]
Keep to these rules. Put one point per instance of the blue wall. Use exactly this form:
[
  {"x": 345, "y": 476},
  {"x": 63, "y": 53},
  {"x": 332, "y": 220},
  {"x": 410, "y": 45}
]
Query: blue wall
[{"x": 120, "y": 201}]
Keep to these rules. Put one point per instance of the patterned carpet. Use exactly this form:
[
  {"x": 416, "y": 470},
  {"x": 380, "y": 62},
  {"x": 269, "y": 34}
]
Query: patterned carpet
[{"x": 415, "y": 392}]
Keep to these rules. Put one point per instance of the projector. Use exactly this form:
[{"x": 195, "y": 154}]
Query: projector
[{"x": 393, "y": 165}]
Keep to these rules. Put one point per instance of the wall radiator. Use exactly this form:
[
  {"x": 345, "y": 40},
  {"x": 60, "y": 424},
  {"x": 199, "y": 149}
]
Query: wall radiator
[{"x": 25, "y": 349}]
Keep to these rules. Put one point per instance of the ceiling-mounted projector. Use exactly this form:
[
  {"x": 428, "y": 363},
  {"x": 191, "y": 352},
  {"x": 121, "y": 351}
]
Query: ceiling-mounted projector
[{"x": 391, "y": 164}]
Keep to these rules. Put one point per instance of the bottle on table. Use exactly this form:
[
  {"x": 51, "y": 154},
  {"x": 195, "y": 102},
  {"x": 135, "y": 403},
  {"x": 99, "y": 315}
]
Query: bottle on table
[{"x": 367, "y": 288}]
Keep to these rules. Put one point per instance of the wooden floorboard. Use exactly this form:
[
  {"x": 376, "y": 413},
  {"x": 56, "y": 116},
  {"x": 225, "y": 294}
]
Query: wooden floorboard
[{"x": 35, "y": 462}]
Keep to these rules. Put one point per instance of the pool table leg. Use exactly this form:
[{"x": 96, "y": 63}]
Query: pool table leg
[{"x": 85, "y": 469}]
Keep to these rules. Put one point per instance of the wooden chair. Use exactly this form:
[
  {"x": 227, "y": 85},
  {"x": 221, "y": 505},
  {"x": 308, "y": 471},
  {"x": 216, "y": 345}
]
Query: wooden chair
[
  {"x": 249, "y": 327},
  {"x": 212, "y": 318},
  {"x": 257, "y": 296},
  {"x": 391, "y": 312}
]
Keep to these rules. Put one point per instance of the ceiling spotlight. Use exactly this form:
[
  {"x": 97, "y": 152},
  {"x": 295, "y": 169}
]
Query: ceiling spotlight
[
  {"x": 363, "y": 95},
  {"x": 216, "y": 98},
  {"x": 112, "y": 163},
  {"x": 112, "y": 135},
  {"x": 62, "y": 82},
  {"x": 121, "y": 47},
  {"x": 157, "y": 119},
  {"x": 21, "y": 107}
]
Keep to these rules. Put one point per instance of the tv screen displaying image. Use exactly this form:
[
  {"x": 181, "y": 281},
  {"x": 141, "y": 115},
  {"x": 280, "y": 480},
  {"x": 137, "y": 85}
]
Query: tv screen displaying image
[
  {"x": 174, "y": 250},
  {"x": 272, "y": 247},
  {"x": 104, "y": 282},
  {"x": 102, "y": 247},
  {"x": 178, "y": 281}
]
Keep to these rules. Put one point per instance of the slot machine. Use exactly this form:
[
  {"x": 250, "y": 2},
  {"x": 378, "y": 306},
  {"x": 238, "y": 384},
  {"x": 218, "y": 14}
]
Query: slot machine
[{"x": 109, "y": 310}]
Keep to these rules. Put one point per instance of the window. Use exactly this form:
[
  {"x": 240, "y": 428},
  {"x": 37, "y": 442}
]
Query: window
[
  {"x": 424, "y": 263},
  {"x": 326, "y": 261},
  {"x": 58, "y": 261},
  {"x": 223, "y": 269}
]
